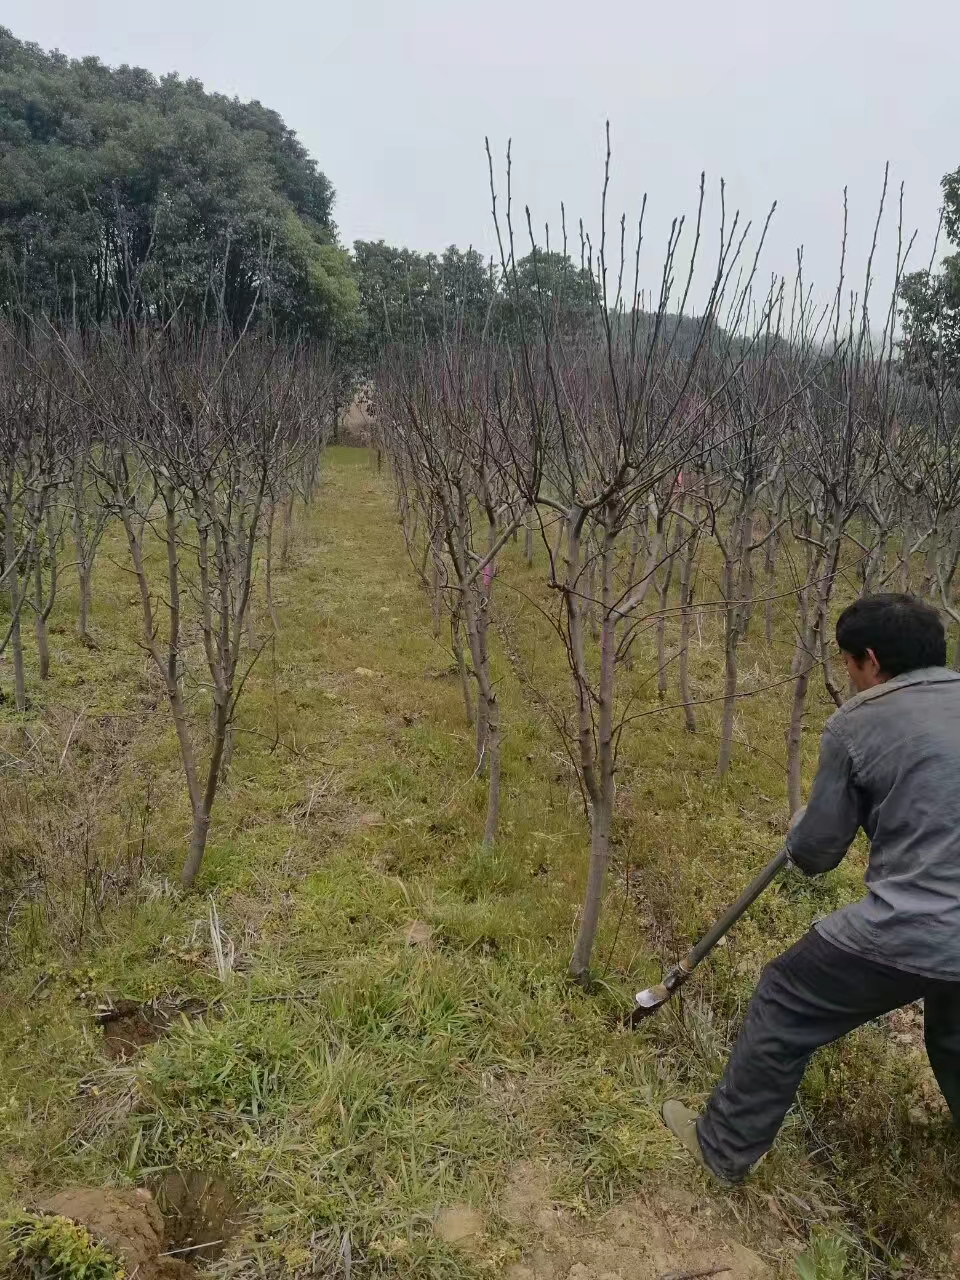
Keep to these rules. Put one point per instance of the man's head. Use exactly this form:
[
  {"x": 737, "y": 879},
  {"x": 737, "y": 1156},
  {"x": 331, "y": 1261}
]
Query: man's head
[{"x": 884, "y": 636}]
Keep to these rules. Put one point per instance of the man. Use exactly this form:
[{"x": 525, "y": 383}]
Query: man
[{"x": 889, "y": 763}]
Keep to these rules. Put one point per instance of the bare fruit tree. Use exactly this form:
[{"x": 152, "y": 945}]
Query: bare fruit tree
[
  {"x": 835, "y": 450},
  {"x": 90, "y": 506},
  {"x": 446, "y": 439},
  {"x": 617, "y": 415},
  {"x": 193, "y": 431},
  {"x": 30, "y": 471}
]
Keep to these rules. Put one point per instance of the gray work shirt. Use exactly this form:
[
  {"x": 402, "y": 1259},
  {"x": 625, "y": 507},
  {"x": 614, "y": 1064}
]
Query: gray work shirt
[{"x": 890, "y": 763}]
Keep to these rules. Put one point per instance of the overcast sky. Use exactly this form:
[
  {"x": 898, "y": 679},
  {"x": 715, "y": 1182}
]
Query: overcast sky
[{"x": 788, "y": 100}]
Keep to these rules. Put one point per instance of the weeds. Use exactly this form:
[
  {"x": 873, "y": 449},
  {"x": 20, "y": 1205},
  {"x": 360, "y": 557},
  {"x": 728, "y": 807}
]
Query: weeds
[{"x": 53, "y": 1247}]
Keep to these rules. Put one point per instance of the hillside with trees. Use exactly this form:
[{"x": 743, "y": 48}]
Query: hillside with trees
[
  {"x": 123, "y": 195},
  {"x": 126, "y": 198}
]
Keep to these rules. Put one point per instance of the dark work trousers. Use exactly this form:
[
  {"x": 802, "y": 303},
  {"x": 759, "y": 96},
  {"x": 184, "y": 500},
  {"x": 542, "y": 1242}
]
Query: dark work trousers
[{"x": 810, "y": 996}]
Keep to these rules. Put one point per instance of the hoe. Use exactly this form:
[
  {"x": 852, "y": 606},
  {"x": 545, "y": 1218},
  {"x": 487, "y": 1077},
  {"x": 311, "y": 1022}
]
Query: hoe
[{"x": 651, "y": 999}]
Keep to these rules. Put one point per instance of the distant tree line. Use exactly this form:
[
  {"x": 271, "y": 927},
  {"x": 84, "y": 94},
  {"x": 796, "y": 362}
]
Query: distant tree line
[
  {"x": 409, "y": 296},
  {"x": 126, "y": 198}
]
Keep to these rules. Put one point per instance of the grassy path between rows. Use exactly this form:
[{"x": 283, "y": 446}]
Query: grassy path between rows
[{"x": 387, "y": 1039}]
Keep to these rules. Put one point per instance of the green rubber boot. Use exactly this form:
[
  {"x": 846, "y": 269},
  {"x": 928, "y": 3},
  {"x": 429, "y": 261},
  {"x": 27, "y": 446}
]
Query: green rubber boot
[{"x": 682, "y": 1123}]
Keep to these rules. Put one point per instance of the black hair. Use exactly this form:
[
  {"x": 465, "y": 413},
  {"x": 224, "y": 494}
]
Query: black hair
[{"x": 905, "y": 633}]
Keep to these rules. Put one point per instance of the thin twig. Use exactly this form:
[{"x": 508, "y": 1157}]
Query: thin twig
[
  {"x": 189, "y": 1248},
  {"x": 695, "y": 1275}
]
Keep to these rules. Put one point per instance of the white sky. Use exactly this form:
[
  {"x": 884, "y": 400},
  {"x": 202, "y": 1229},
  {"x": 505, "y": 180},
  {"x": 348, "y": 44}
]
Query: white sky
[{"x": 785, "y": 100}]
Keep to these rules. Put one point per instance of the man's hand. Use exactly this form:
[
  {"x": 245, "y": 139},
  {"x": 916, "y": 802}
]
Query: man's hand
[{"x": 793, "y": 822}]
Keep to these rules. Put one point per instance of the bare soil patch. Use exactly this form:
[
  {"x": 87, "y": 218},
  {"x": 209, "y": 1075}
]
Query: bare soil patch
[
  {"x": 128, "y": 1026},
  {"x": 644, "y": 1238},
  {"x": 460, "y": 1224}
]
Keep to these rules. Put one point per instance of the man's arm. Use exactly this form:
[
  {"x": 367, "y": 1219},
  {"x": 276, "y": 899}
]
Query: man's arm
[{"x": 826, "y": 828}]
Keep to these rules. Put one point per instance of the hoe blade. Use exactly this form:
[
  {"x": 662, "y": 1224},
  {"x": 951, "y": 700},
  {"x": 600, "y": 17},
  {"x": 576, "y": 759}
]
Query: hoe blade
[{"x": 647, "y": 1002}]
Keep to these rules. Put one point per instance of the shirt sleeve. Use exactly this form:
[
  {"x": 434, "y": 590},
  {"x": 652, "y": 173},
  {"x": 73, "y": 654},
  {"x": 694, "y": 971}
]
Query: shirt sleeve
[{"x": 820, "y": 839}]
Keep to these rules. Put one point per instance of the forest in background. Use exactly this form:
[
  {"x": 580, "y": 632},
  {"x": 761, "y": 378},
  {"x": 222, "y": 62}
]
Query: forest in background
[
  {"x": 124, "y": 197},
  {"x": 127, "y": 195}
]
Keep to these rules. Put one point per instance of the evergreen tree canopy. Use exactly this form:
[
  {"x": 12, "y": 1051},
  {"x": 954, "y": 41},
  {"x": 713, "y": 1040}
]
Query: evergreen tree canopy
[
  {"x": 931, "y": 310},
  {"x": 122, "y": 194},
  {"x": 413, "y": 296}
]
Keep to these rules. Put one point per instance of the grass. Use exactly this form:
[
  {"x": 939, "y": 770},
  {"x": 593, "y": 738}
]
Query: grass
[{"x": 346, "y": 1080}]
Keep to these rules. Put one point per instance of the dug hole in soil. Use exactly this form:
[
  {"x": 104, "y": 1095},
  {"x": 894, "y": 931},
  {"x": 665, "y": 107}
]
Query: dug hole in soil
[
  {"x": 193, "y": 1217},
  {"x": 128, "y": 1026},
  {"x": 187, "y": 1217}
]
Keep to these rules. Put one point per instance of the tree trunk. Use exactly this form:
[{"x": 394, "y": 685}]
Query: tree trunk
[
  {"x": 15, "y": 594},
  {"x": 599, "y": 772},
  {"x": 640, "y": 536},
  {"x": 770, "y": 579},
  {"x": 905, "y": 558},
  {"x": 204, "y": 809},
  {"x": 802, "y": 663},
  {"x": 436, "y": 593},
  {"x": 251, "y": 626},
  {"x": 46, "y": 600},
  {"x": 590, "y": 604},
  {"x": 287, "y": 531},
  {"x": 731, "y": 642},
  {"x": 745, "y": 584},
  {"x": 662, "y": 683},
  {"x": 87, "y": 534},
  {"x": 666, "y": 581},
  {"x": 730, "y": 675},
  {"x": 488, "y": 710},
  {"x": 875, "y": 561},
  {"x": 821, "y": 570},
  {"x": 528, "y": 537},
  {"x": 475, "y": 602},
  {"x": 19, "y": 674},
  {"x": 600, "y": 821},
  {"x": 832, "y": 687},
  {"x": 494, "y": 755},
  {"x": 655, "y": 547},
  {"x": 930, "y": 568},
  {"x": 84, "y": 576},
  {"x": 43, "y": 642},
  {"x": 686, "y": 617},
  {"x": 462, "y": 672},
  {"x": 168, "y": 668},
  {"x": 481, "y": 727},
  {"x": 737, "y": 591},
  {"x": 198, "y": 847},
  {"x": 268, "y": 569}
]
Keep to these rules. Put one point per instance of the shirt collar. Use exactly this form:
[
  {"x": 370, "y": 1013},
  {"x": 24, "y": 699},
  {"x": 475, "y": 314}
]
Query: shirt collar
[{"x": 923, "y": 675}]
